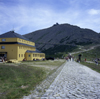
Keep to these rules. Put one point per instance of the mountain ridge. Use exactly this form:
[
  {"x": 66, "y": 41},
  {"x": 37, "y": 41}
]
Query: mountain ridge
[{"x": 62, "y": 34}]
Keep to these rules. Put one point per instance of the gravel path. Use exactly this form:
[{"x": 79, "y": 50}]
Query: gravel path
[{"x": 75, "y": 81}]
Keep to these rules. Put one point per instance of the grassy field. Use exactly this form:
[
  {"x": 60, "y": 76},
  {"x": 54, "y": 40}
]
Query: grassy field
[
  {"x": 90, "y": 57},
  {"x": 17, "y": 80},
  {"x": 47, "y": 62},
  {"x": 92, "y": 66}
]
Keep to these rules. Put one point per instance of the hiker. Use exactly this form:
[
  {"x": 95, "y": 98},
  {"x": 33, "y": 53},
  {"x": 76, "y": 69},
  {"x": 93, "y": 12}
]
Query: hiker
[
  {"x": 79, "y": 57},
  {"x": 67, "y": 58},
  {"x": 72, "y": 58},
  {"x": 96, "y": 61},
  {"x": 77, "y": 60}
]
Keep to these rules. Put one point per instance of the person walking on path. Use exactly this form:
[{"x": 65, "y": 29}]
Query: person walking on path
[{"x": 96, "y": 61}]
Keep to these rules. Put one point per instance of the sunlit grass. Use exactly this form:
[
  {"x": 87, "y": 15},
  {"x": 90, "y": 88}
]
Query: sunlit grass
[
  {"x": 17, "y": 80},
  {"x": 49, "y": 62},
  {"x": 12, "y": 78}
]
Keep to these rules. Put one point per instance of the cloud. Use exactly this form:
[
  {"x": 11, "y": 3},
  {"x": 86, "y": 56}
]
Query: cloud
[
  {"x": 26, "y": 19},
  {"x": 94, "y": 12},
  {"x": 33, "y": 17}
]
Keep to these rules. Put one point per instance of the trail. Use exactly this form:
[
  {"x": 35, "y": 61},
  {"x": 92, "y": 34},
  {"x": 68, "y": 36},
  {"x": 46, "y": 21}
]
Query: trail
[
  {"x": 85, "y": 50},
  {"x": 75, "y": 81}
]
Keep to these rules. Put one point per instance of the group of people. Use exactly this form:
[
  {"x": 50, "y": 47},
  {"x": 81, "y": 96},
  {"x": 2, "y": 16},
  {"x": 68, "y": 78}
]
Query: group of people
[{"x": 70, "y": 58}]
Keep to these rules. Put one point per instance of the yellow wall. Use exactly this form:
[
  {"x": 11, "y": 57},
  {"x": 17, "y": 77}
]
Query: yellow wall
[
  {"x": 31, "y": 56},
  {"x": 38, "y": 55},
  {"x": 9, "y": 39},
  {"x": 21, "y": 51},
  {"x": 25, "y": 42},
  {"x": 18, "y": 40},
  {"x": 18, "y": 51},
  {"x": 11, "y": 50}
]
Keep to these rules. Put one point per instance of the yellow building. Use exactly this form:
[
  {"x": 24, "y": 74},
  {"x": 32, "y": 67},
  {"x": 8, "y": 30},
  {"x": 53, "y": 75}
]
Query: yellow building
[{"x": 15, "y": 46}]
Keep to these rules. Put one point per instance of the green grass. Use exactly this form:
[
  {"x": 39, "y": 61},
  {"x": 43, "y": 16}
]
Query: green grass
[
  {"x": 13, "y": 76},
  {"x": 90, "y": 55},
  {"x": 48, "y": 63},
  {"x": 58, "y": 50},
  {"x": 92, "y": 66}
]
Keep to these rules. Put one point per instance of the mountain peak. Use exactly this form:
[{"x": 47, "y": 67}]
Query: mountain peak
[
  {"x": 63, "y": 34},
  {"x": 56, "y": 24}
]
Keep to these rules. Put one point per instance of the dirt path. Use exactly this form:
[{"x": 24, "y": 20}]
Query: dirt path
[{"x": 84, "y": 50}]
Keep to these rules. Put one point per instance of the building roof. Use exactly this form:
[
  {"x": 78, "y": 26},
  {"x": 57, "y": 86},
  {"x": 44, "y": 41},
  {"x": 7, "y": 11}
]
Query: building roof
[
  {"x": 12, "y": 34},
  {"x": 16, "y": 43},
  {"x": 37, "y": 51}
]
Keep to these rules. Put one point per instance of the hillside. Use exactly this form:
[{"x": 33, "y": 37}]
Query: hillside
[{"x": 59, "y": 35}]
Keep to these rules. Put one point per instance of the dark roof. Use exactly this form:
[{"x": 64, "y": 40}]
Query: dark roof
[
  {"x": 15, "y": 43},
  {"x": 37, "y": 51},
  {"x": 12, "y": 34}
]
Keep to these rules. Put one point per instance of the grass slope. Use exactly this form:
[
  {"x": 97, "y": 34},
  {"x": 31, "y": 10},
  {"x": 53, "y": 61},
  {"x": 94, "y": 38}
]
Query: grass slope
[
  {"x": 13, "y": 77},
  {"x": 17, "y": 80},
  {"x": 59, "y": 50},
  {"x": 90, "y": 56},
  {"x": 92, "y": 66}
]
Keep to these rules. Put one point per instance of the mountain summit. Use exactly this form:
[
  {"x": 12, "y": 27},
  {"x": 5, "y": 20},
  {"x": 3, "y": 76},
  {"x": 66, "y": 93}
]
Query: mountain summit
[{"x": 63, "y": 34}]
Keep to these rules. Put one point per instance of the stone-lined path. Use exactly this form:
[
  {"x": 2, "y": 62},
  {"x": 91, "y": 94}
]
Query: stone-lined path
[{"x": 75, "y": 81}]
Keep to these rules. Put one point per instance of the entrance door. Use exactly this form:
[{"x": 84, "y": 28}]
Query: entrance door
[{"x": 3, "y": 55}]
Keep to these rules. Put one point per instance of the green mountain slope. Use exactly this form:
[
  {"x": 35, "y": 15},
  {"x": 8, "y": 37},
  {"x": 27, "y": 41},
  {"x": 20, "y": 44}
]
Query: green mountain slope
[{"x": 59, "y": 37}]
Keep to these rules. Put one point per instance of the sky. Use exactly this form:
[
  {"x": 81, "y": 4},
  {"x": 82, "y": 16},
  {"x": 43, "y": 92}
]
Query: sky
[{"x": 25, "y": 16}]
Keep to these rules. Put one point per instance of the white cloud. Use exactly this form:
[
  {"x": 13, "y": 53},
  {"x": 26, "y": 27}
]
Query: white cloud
[
  {"x": 26, "y": 19},
  {"x": 94, "y": 12},
  {"x": 22, "y": 16}
]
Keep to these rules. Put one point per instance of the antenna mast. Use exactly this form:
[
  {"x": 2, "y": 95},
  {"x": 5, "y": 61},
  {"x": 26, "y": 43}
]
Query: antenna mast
[{"x": 13, "y": 28}]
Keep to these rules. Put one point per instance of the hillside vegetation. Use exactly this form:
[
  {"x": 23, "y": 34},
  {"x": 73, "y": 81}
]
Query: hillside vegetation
[
  {"x": 90, "y": 57},
  {"x": 62, "y": 38}
]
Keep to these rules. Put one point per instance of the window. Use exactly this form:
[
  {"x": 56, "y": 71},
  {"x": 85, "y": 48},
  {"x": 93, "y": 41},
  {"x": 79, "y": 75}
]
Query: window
[
  {"x": 19, "y": 55},
  {"x": 29, "y": 55},
  {"x": 3, "y": 40},
  {"x": 19, "y": 40},
  {"x": 2, "y": 47}
]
